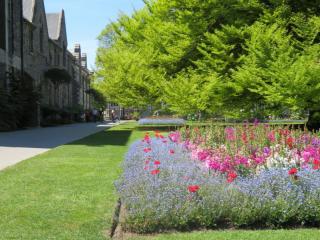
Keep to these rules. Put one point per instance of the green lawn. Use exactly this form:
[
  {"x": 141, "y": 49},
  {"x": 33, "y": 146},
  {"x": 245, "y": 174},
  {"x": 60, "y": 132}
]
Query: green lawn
[{"x": 68, "y": 193}]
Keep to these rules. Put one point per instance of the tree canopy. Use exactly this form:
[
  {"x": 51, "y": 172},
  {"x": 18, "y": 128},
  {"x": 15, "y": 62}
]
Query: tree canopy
[{"x": 229, "y": 57}]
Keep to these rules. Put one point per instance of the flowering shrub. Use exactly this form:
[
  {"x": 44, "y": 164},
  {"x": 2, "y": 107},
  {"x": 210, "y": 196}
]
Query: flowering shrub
[
  {"x": 192, "y": 179},
  {"x": 162, "y": 121}
]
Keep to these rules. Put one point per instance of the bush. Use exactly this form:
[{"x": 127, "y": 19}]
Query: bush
[{"x": 161, "y": 121}]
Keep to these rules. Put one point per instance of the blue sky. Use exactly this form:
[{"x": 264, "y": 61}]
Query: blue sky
[{"x": 85, "y": 19}]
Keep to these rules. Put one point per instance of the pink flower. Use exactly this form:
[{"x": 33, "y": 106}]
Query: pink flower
[
  {"x": 213, "y": 165},
  {"x": 230, "y": 134},
  {"x": 259, "y": 160},
  {"x": 146, "y": 150},
  {"x": 171, "y": 151},
  {"x": 175, "y": 137},
  {"x": 241, "y": 160},
  {"x": 271, "y": 136},
  {"x": 306, "y": 155},
  {"x": 203, "y": 155}
]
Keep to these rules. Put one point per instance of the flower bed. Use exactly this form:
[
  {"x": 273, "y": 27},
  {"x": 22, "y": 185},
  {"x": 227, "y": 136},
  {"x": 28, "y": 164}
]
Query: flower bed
[
  {"x": 212, "y": 177},
  {"x": 161, "y": 121}
]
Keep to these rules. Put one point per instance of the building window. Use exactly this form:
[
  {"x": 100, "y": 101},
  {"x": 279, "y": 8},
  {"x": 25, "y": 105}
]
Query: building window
[
  {"x": 2, "y": 25},
  {"x": 11, "y": 29},
  {"x": 31, "y": 40},
  {"x": 56, "y": 58},
  {"x": 41, "y": 39},
  {"x": 64, "y": 55}
]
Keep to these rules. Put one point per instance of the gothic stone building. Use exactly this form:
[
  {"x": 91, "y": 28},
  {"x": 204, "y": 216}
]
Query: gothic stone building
[{"x": 34, "y": 45}]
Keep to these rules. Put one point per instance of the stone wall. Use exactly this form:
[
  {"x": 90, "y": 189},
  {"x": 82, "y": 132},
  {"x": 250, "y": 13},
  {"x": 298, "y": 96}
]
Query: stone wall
[{"x": 43, "y": 51}]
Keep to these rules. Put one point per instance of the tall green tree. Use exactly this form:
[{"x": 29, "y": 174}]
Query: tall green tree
[{"x": 233, "y": 57}]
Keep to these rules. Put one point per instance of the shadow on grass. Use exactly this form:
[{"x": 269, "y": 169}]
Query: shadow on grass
[{"x": 111, "y": 137}]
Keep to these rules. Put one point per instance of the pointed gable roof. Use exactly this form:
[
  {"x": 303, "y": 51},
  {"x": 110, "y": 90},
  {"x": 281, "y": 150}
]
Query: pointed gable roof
[
  {"x": 54, "y": 25},
  {"x": 28, "y": 9},
  {"x": 57, "y": 26}
]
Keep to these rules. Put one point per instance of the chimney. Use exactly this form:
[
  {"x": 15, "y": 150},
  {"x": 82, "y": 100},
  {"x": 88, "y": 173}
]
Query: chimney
[
  {"x": 77, "y": 53},
  {"x": 84, "y": 60}
]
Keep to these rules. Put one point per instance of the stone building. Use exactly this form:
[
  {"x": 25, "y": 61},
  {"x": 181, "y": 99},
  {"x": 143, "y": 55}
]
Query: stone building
[
  {"x": 34, "y": 44},
  {"x": 11, "y": 48}
]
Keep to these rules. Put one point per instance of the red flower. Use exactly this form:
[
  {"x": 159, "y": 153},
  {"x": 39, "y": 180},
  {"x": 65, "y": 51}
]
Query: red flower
[
  {"x": 293, "y": 171},
  {"x": 244, "y": 137},
  {"x": 316, "y": 167},
  {"x": 193, "y": 188},
  {"x": 290, "y": 141},
  {"x": 252, "y": 136},
  {"x": 155, "y": 172},
  {"x": 146, "y": 150},
  {"x": 157, "y": 162},
  {"x": 157, "y": 133},
  {"x": 146, "y": 138},
  {"x": 164, "y": 141},
  {"x": 231, "y": 177},
  {"x": 171, "y": 151},
  {"x": 316, "y": 164}
]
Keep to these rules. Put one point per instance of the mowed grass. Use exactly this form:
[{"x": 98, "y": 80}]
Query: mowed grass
[{"x": 66, "y": 193}]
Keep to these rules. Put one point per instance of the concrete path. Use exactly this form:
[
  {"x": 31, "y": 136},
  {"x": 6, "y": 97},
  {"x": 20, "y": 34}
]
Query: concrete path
[{"x": 20, "y": 145}]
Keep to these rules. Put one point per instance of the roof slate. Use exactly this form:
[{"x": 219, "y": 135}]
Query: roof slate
[
  {"x": 54, "y": 24},
  {"x": 28, "y": 9}
]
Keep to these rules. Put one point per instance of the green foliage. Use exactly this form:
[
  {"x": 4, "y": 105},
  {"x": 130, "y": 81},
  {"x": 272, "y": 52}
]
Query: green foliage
[
  {"x": 99, "y": 100},
  {"x": 227, "y": 57}
]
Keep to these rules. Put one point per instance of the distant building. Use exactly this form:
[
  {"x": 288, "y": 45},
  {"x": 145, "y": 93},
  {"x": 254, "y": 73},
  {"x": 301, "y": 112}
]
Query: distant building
[{"x": 34, "y": 44}]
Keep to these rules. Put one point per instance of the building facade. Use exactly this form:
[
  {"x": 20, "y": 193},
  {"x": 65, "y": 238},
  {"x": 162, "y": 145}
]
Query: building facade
[
  {"x": 11, "y": 48},
  {"x": 34, "y": 45}
]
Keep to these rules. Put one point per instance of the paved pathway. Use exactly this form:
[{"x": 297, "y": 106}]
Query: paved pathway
[{"x": 20, "y": 145}]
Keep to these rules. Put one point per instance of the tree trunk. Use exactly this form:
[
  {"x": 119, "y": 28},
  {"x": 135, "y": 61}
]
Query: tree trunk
[{"x": 313, "y": 123}]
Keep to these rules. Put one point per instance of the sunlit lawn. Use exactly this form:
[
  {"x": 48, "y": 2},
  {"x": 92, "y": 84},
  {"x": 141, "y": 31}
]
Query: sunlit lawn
[{"x": 66, "y": 193}]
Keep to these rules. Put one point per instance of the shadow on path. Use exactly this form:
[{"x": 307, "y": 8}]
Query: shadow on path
[{"x": 47, "y": 138}]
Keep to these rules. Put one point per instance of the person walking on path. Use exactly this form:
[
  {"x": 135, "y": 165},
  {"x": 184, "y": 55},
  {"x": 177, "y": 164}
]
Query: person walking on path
[
  {"x": 95, "y": 114},
  {"x": 112, "y": 116}
]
